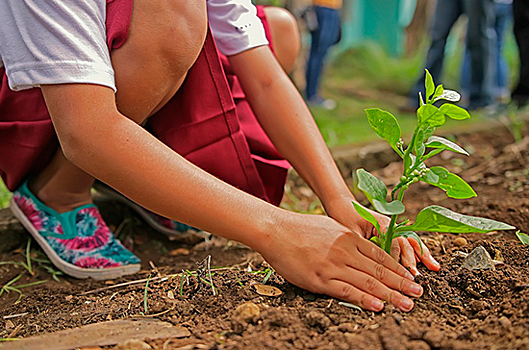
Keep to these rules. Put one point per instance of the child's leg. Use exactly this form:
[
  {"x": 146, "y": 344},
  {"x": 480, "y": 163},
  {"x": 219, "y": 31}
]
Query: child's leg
[
  {"x": 285, "y": 36},
  {"x": 61, "y": 185},
  {"x": 149, "y": 68}
]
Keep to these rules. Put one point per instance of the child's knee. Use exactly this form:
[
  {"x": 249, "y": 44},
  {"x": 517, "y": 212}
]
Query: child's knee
[{"x": 165, "y": 39}]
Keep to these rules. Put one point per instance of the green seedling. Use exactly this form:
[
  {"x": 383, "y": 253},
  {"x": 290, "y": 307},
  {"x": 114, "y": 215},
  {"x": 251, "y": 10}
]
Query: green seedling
[
  {"x": 423, "y": 146},
  {"x": 524, "y": 238},
  {"x": 10, "y": 287},
  {"x": 145, "y": 295},
  {"x": 268, "y": 275}
]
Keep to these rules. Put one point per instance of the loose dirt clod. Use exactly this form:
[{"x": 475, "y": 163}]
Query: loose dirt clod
[
  {"x": 460, "y": 242},
  {"x": 317, "y": 320},
  {"x": 478, "y": 259},
  {"x": 505, "y": 322},
  {"x": 247, "y": 312}
]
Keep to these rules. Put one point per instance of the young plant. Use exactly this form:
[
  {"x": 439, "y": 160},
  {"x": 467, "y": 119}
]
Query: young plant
[{"x": 423, "y": 145}]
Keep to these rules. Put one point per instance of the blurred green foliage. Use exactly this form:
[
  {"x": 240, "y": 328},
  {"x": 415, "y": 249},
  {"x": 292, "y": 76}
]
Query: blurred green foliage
[{"x": 5, "y": 196}]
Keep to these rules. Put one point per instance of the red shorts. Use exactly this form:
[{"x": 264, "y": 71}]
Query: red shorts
[{"x": 208, "y": 121}]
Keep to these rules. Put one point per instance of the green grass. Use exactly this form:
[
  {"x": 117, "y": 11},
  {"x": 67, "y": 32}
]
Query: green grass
[{"x": 5, "y": 196}]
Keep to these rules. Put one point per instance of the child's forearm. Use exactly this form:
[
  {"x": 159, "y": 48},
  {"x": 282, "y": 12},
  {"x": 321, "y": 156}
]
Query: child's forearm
[
  {"x": 288, "y": 122},
  {"x": 116, "y": 150}
]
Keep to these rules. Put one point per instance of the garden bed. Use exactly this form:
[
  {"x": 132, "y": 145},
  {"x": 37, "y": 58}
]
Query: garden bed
[{"x": 459, "y": 310}]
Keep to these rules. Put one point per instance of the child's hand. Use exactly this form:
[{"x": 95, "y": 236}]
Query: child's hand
[
  {"x": 319, "y": 254},
  {"x": 408, "y": 252}
]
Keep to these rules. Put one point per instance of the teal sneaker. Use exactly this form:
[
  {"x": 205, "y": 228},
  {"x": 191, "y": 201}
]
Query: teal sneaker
[
  {"x": 77, "y": 242},
  {"x": 174, "y": 230}
]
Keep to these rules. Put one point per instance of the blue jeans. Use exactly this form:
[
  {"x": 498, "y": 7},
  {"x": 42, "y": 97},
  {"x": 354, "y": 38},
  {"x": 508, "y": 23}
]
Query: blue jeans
[
  {"x": 326, "y": 35},
  {"x": 480, "y": 39},
  {"x": 499, "y": 67}
]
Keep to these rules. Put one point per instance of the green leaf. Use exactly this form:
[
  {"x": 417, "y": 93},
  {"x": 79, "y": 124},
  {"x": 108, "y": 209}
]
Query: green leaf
[
  {"x": 438, "y": 219},
  {"x": 428, "y": 132},
  {"x": 442, "y": 143},
  {"x": 372, "y": 187},
  {"x": 429, "y": 85},
  {"x": 430, "y": 177},
  {"x": 419, "y": 143},
  {"x": 363, "y": 212},
  {"x": 431, "y": 116},
  {"x": 393, "y": 208},
  {"x": 438, "y": 92},
  {"x": 412, "y": 235},
  {"x": 454, "y": 112},
  {"x": 454, "y": 186},
  {"x": 385, "y": 125},
  {"x": 522, "y": 237}
]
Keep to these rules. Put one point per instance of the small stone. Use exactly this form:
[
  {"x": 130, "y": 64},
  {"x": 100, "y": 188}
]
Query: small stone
[
  {"x": 170, "y": 295},
  {"x": 505, "y": 322},
  {"x": 478, "y": 259},
  {"x": 247, "y": 312},
  {"x": 133, "y": 344},
  {"x": 68, "y": 298},
  {"x": 460, "y": 242},
  {"x": 9, "y": 325},
  {"x": 347, "y": 327}
]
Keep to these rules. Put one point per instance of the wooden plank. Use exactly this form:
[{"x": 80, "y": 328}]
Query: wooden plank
[{"x": 100, "y": 334}]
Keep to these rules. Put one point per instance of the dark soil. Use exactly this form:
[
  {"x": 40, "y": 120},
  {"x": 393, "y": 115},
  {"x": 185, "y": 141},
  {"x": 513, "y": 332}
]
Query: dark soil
[{"x": 459, "y": 310}]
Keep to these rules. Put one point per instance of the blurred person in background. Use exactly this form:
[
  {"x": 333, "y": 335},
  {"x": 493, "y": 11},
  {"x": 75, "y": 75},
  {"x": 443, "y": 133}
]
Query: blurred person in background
[
  {"x": 520, "y": 95},
  {"x": 498, "y": 64},
  {"x": 325, "y": 33},
  {"x": 480, "y": 15}
]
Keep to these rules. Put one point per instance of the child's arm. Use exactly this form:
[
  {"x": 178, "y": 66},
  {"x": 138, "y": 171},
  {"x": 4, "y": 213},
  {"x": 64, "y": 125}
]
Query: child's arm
[
  {"x": 313, "y": 252},
  {"x": 289, "y": 124}
]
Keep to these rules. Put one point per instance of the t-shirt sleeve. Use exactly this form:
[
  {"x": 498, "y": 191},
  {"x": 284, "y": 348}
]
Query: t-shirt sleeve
[
  {"x": 235, "y": 25},
  {"x": 54, "y": 42}
]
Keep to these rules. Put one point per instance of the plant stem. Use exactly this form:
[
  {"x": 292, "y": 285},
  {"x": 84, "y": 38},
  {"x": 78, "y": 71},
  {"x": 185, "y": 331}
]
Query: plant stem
[{"x": 388, "y": 237}]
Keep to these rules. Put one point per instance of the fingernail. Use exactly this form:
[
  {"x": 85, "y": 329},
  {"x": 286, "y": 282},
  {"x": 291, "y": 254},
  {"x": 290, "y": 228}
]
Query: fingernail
[
  {"x": 406, "y": 304},
  {"x": 377, "y": 305},
  {"x": 416, "y": 290},
  {"x": 409, "y": 276}
]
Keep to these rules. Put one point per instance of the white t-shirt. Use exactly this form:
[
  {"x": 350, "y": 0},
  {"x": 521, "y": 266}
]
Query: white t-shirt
[{"x": 64, "y": 41}]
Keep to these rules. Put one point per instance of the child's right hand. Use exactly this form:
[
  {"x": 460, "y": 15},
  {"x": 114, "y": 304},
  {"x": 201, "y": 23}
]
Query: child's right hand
[{"x": 319, "y": 254}]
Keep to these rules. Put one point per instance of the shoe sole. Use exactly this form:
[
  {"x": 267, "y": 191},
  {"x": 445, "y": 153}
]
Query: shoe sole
[
  {"x": 191, "y": 237},
  {"x": 66, "y": 267}
]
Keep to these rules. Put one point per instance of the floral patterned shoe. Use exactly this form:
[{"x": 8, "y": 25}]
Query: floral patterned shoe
[
  {"x": 174, "y": 230},
  {"x": 78, "y": 242}
]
